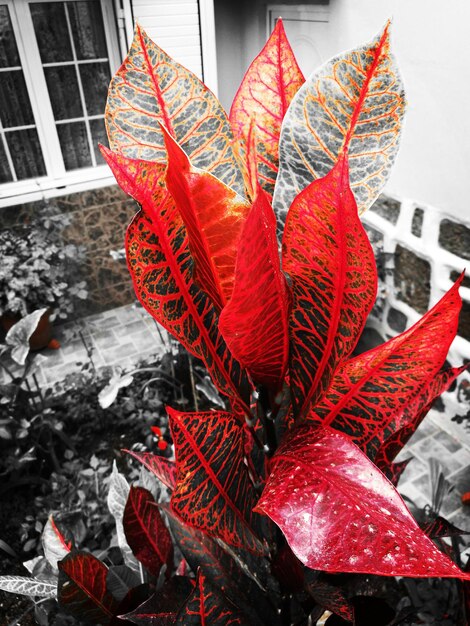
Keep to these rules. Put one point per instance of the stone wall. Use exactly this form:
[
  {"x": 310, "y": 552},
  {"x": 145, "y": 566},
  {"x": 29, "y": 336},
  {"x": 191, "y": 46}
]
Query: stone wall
[{"x": 98, "y": 221}]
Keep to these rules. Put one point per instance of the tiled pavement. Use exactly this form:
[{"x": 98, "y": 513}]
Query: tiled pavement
[{"x": 124, "y": 335}]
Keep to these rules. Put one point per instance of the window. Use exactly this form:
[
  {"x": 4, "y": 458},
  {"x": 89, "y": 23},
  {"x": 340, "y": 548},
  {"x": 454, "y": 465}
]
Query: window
[{"x": 56, "y": 61}]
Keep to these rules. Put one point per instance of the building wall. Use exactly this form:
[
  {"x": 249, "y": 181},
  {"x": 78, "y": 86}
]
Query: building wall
[
  {"x": 98, "y": 221},
  {"x": 431, "y": 42}
]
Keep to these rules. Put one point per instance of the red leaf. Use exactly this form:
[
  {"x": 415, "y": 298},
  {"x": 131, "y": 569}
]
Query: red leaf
[
  {"x": 162, "y": 608},
  {"x": 412, "y": 414},
  {"x": 161, "y": 268},
  {"x": 340, "y": 514},
  {"x": 368, "y": 395},
  {"x": 254, "y": 322},
  {"x": 208, "y": 605},
  {"x": 213, "y": 491},
  {"x": 264, "y": 96},
  {"x": 146, "y": 533},
  {"x": 331, "y": 598},
  {"x": 161, "y": 467},
  {"x": 82, "y": 588},
  {"x": 328, "y": 256},
  {"x": 214, "y": 216},
  {"x": 151, "y": 88},
  {"x": 440, "y": 527},
  {"x": 394, "y": 471},
  {"x": 243, "y": 577}
]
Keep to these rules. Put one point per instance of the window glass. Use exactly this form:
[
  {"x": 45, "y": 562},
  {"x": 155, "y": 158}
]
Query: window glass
[
  {"x": 75, "y": 60},
  {"x": 20, "y": 151}
]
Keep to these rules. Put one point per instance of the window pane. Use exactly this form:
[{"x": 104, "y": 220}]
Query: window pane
[
  {"x": 8, "y": 50},
  {"x": 5, "y": 174},
  {"x": 95, "y": 81},
  {"x": 88, "y": 31},
  {"x": 98, "y": 132},
  {"x": 63, "y": 91},
  {"x": 15, "y": 109},
  {"x": 26, "y": 153},
  {"x": 50, "y": 25},
  {"x": 74, "y": 143}
]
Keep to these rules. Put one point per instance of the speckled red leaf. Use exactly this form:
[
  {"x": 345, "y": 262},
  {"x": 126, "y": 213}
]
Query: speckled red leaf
[
  {"x": 440, "y": 527},
  {"x": 151, "y": 88},
  {"x": 368, "y": 394},
  {"x": 161, "y": 268},
  {"x": 264, "y": 96},
  {"x": 214, "y": 216},
  {"x": 327, "y": 254},
  {"x": 208, "y": 605},
  {"x": 213, "y": 490},
  {"x": 355, "y": 102},
  {"x": 160, "y": 466},
  {"x": 339, "y": 513},
  {"x": 146, "y": 533},
  {"x": 412, "y": 414},
  {"x": 82, "y": 588},
  {"x": 254, "y": 322}
]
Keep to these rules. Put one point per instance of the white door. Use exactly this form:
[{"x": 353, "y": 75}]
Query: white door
[{"x": 307, "y": 30}]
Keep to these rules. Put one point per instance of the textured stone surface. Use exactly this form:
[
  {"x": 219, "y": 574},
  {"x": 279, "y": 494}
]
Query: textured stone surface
[
  {"x": 412, "y": 278},
  {"x": 397, "y": 320},
  {"x": 387, "y": 208},
  {"x": 99, "y": 218},
  {"x": 417, "y": 222},
  {"x": 455, "y": 238}
]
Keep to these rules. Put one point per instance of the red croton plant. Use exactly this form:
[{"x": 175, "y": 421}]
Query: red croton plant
[{"x": 293, "y": 483}]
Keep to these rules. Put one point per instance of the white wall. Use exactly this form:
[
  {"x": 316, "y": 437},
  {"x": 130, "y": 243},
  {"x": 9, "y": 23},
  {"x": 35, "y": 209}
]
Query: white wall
[{"x": 431, "y": 41}]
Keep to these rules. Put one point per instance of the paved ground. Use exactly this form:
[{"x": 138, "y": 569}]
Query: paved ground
[{"x": 124, "y": 335}]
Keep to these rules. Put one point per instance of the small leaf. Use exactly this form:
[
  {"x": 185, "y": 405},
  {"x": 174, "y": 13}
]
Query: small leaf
[
  {"x": 146, "y": 532},
  {"x": 208, "y": 605},
  {"x": 352, "y": 104},
  {"x": 117, "y": 498},
  {"x": 331, "y": 598},
  {"x": 109, "y": 393},
  {"x": 266, "y": 91},
  {"x": 339, "y": 513},
  {"x": 120, "y": 580},
  {"x": 440, "y": 527},
  {"x": 28, "y": 586},
  {"x": 82, "y": 588},
  {"x": 162, "y": 608},
  {"x": 19, "y": 335},
  {"x": 55, "y": 543},
  {"x": 160, "y": 466},
  {"x": 255, "y": 321}
]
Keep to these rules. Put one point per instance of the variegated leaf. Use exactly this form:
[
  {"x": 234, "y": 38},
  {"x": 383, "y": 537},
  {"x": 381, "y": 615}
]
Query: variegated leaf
[
  {"x": 264, "y": 96},
  {"x": 28, "y": 586},
  {"x": 255, "y": 321},
  {"x": 354, "y": 103},
  {"x": 161, "y": 267},
  {"x": 160, "y": 466},
  {"x": 214, "y": 216},
  {"x": 117, "y": 498},
  {"x": 213, "y": 488},
  {"x": 339, "y": 513},
  {"x": 367, "y": 395},
  {"x": 328, "y": 256},
  {"x": 150, "y": 87},
  {"x": 55, "y": 545}
]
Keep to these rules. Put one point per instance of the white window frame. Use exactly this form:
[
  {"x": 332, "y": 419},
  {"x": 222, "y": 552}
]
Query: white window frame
[
  {"x": 314, "y": 13},
  {"x": 58, "y": 181}
]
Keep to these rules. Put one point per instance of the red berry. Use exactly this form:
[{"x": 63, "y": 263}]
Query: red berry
[
  {"x": 162, "y": 444},
  {"x": 156, "y": 431}
]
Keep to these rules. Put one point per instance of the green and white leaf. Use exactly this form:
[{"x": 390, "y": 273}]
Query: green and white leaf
[{"x": 28, "y": 586}]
